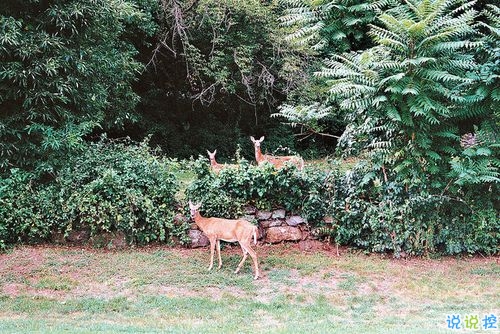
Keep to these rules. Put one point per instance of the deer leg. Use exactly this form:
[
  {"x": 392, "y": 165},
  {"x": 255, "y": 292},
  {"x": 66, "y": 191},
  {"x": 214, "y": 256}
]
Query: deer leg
[
  {"x": 253, "y": 255},
  {"x": 212, "y": 249},
  {"x": 245, "y": 254},
  {"x": 218, "y": 253}
]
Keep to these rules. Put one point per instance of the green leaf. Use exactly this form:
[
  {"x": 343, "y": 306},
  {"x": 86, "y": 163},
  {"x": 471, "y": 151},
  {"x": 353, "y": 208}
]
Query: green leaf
[{"x": 484, "y": 151}]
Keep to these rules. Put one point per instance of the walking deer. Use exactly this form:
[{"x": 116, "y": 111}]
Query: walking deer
[
  {"x": 230, "y": 230},
  {"x": 277, "y": 161}
]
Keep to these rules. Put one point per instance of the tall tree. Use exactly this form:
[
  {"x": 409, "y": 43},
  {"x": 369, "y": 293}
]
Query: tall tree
[
  {"x": 413, "y": 95},
  {"x": 321, "y": 29},
  {"x": 65, "y": 69}
]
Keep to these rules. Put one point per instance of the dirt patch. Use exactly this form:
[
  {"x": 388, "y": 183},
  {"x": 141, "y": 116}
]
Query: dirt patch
[{"x": 13, "y": 289}]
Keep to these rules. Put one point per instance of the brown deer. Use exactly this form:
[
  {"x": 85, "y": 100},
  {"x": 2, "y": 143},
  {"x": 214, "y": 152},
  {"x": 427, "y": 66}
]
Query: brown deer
[
  {"x": 230, "y": 230},
  {"x": 215, "y": 166},
  {"x": 277, "y": 161}
]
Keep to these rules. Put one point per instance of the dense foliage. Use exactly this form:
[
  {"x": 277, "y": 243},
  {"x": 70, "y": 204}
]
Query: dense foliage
[
  {"x": 110, "y": 187},
  {"x": 66, "y": 68},
  {"x": 24, "y": 209},
  {"x": 422, "y": 105},
  {"x": 318, "y": 30},
  {"x": 383, "y": 216},
  {"x": 411, "y": 89},
  {"x": 412, "y": 95},
  {"x": 116, "y": 186}
]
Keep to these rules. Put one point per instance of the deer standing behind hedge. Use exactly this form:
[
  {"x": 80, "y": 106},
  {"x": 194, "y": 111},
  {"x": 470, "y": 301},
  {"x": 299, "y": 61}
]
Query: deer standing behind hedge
[
  {"x": 276, "y": 161},
  {"x": 230, "y": 230},
  {"x": 215, "y": 166}
]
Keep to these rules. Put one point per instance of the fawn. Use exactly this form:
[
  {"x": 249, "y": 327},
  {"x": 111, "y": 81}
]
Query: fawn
[{"x": 215, "y": 166}]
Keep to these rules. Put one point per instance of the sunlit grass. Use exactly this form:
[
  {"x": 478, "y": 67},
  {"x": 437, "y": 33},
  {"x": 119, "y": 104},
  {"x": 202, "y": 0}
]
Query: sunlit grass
[{"x": 157, "y": 290}]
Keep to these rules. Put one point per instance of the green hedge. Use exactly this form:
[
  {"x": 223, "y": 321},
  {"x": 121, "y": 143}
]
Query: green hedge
[
  {"x": 383, "y": 216},
  {"x": 111, "y": 186},
  {"x": 226, "y": 193},
  {"x": 120, "y": 186},
  {"x": 24, "y": 209},
  {"x": 367, "y": 213}
]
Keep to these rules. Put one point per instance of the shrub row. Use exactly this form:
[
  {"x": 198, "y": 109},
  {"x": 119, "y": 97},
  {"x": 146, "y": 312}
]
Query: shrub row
[
  {"x": 384, "y": 216},
  {"x": 229, "y": 191},
  {"x": 110, "y": 186},
  {"x": 367, "y": 213},
  {"x": 116, "y": 186}
]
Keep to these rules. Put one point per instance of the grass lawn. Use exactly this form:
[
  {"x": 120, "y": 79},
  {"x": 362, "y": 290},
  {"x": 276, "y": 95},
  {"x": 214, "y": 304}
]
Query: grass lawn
[{"x": 168, "y": 290}]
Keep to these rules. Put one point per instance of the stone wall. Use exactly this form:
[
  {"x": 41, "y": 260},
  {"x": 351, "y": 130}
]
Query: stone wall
[{"x": 274, "y": 227}]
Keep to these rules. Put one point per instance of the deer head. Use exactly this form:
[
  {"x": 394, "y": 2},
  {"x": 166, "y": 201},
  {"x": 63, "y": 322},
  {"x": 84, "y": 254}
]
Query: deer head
[
  {"x": 193, "y": 208},
  {"x": 256, "y": 142},
  {"x": 211, "y": 155}
]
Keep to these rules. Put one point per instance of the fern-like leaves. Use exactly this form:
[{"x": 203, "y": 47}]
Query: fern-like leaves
[{"x": 406, "y": 96}]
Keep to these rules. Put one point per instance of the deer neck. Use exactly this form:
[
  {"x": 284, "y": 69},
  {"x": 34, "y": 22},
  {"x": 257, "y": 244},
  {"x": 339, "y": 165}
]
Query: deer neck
[
  {"x": 258, "y": 154},
  {"x": 213, "y": 163},
  {"x": 199, "y": 220}
]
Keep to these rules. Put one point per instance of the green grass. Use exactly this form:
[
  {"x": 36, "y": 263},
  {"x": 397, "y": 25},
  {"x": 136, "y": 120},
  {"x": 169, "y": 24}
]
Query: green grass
[{"x": 159, "y": 289}]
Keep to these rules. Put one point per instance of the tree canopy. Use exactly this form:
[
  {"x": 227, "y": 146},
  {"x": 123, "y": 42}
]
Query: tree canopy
[{"x": 66, "y": 68}]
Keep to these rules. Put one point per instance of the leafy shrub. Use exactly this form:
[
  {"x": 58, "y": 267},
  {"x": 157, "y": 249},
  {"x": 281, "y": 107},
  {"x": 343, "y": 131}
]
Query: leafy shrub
[
  {"x": 22, "y": 207},
  {"x": 116, "y": 186},
  {"x": 226, "y": 193},
  {"x": 470, "y": 223},
  {"x": 383, "y": 216},
  {"x": 111, "y": 186}
]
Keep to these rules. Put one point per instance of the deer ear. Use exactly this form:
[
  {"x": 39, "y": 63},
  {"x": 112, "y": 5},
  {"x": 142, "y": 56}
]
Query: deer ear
[
  {"x": 261, "y": 138},
  {"x": 215, "y": 151},
  {"x": 208, "y": 152},
  {"x": 252, "y": 139}
]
